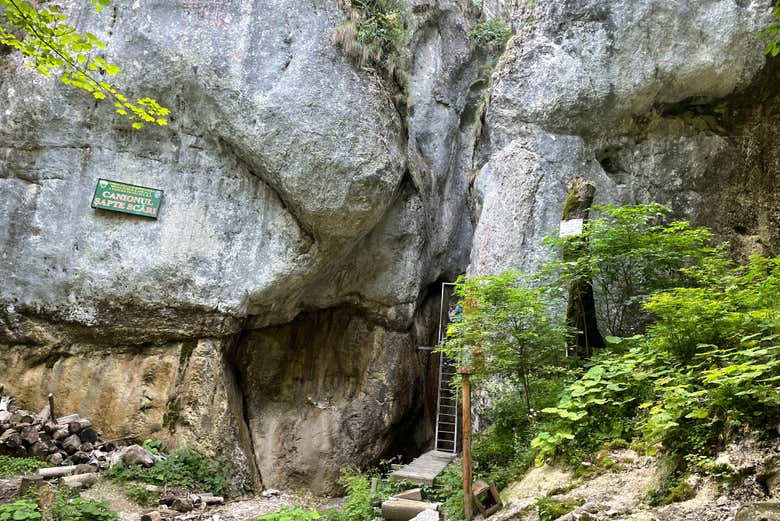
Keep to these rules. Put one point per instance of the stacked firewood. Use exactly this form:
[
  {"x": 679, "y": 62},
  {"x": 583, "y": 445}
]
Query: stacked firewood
[{"x": 64, "y": 440}]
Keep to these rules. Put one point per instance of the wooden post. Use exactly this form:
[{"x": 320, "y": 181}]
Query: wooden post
[
  {"x": 465, "y": 373},
  {"x": 581, "y": 305},
  {"x": 51, "y": 408}
]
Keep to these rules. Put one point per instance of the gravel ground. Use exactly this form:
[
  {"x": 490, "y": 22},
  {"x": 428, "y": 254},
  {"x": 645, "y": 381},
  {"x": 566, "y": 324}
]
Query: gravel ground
[{"x": 238, "y": 510}]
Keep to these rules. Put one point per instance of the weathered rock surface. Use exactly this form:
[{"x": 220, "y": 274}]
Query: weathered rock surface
[
  {"x": 292, "y": 182},
  {"x": 759, "y": 512},
  {"x": 276, "y": 304},
  {"x": 653, "y": 101},
  {"x": 622, "y": 494}
]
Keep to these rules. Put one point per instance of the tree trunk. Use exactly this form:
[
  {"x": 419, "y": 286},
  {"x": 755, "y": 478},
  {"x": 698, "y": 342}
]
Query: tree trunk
[{"x": 581, "y": 305}]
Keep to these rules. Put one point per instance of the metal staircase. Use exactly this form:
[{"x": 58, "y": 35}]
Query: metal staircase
[{"x": 446, "y": 409}]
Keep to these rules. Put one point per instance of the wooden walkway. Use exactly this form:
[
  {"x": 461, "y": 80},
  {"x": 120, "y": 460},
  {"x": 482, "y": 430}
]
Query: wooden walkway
[{"x": 424, "y": 469}]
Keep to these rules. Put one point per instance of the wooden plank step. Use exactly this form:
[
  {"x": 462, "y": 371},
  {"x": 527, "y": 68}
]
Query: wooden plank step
[{"x": 425, "y": 468}]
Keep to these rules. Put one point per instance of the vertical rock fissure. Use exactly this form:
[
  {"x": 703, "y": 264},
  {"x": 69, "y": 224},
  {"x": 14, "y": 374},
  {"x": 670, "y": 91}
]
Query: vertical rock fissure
[{"x": 235, "y": 384}]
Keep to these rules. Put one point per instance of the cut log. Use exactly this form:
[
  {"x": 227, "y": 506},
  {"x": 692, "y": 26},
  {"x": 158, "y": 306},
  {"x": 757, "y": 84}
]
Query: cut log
[
  {"x": 395, "y": 509},
  {"x": 79, "y": 457},
  {"x": 55, "y": 458},
  {"x": 65, "y": 420},
  {"x": 11, "y": 439},
  {"x": 181, "y": 504},
  {"x": 154, "y": 515},
  {"x": 60, "y": 434},
  {"x": 208, "y": 499},
  {"x": 29, "y": 434},
  {"x": 44, "y": 415},
  {"x": 57, "y": 472},
  {"x": 30, "y": 482},
  {"x": 80, "y": 480},
  {"x": 39, "y": 450},
  {"x": 88, "y": 435},
  {"x": 72, "y": 444},
  {"x": 414, "y": 494},
  {"x": 52, "y": 412},
  {"x": 9, "y": 489},
  {"x": 24, "y": 417}
]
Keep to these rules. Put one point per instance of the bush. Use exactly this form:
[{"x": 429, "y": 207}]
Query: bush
[
  {"x": 358, "y": 502},
  {"x": 707, "y": 367},
  {"x": 183, "y": 468},
  {"x": 491, "y": 35},
  {"x": 22, "y": 510},
  {"x": 448, "y": 489},
  {"x": 69, "y": 508},
  {"x": 374, "y": 33},
  {"x": 139, "y": 495},
  {"x": 291, "y": 514},
  {"x": 550, "y": 509},
  {"x": 630, "y": 253},
  {"x": 11, "y": 466}
]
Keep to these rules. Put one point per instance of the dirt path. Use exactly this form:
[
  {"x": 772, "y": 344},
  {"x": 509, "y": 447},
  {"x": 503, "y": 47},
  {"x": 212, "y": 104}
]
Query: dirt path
[{"x": 238, "y": 510}]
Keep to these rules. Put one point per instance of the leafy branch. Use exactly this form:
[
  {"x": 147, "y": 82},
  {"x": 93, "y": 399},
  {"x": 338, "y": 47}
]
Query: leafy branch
[
  {"x": 53, "y": 47},
  {"x": 772, "y": 33}
]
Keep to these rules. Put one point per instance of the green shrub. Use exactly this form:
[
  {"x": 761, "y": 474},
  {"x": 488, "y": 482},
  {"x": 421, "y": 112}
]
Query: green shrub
[
  {"x": 375, "y": 33},
  {"x": 291, "y": 514},
  {"x": 708, "y": 366},
  {"x": 491, "y": 35},
  {"x": 22, "y": 510},
  {"x": 358, "y": 502},
  {"x": 73, "y": 508},
  {"x": 183, "y": 468},
  {"x": 141, "y": 496},
  {"x": 448, "y": 489},
  {"x": 153, "y": 446},
  {"x": 672, "y": 490},
  {"x": 550, "y": 509},
  {"x": 630, "y": 253},
  {"x": 12, "y": 466}
]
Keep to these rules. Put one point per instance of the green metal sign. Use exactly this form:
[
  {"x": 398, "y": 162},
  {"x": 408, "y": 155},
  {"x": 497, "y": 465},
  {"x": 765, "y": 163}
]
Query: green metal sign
[{"x": 121, "y": 197}]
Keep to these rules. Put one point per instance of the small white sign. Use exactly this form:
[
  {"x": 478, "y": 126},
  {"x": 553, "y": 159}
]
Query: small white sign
[{"x": 571, "y": 228}]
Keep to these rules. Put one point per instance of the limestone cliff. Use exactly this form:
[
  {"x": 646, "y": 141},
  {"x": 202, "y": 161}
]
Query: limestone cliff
[
  {"x": 278, "y": 301},
  {"x": 652, "y": 100}
]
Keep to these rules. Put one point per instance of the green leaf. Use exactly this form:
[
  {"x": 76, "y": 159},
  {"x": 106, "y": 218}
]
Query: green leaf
[{"x": 698, "y": 414}]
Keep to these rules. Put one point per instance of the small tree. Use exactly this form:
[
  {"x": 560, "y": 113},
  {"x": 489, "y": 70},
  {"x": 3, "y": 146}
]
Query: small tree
[
  {"x": 632, "y": 252},
  {"x": 508, "y": 329}
]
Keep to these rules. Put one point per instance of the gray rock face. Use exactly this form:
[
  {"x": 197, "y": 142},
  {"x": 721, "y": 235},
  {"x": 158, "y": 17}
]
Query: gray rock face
[
  {"x": 292, "y": 183},
  {"x": 653, "y": 101},
  {"x": 275, "y": 306},
  {"x": 263, "y": 185},
  {"x": 520, "y": 194}
]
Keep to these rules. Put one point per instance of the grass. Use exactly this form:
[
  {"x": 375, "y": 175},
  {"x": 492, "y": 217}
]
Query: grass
[{"x": 11, "y": 466}]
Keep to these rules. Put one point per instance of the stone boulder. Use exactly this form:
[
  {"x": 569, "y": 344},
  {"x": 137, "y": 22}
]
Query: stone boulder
[{"x": 759, "y": 512}]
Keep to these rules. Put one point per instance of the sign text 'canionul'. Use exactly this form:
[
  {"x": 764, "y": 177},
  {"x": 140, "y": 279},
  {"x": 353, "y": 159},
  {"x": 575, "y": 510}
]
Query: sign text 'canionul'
[{"x": 122, "y": 197}]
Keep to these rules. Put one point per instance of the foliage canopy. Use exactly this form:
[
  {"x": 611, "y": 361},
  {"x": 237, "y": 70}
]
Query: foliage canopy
[{"x": 701, "y": 362}]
